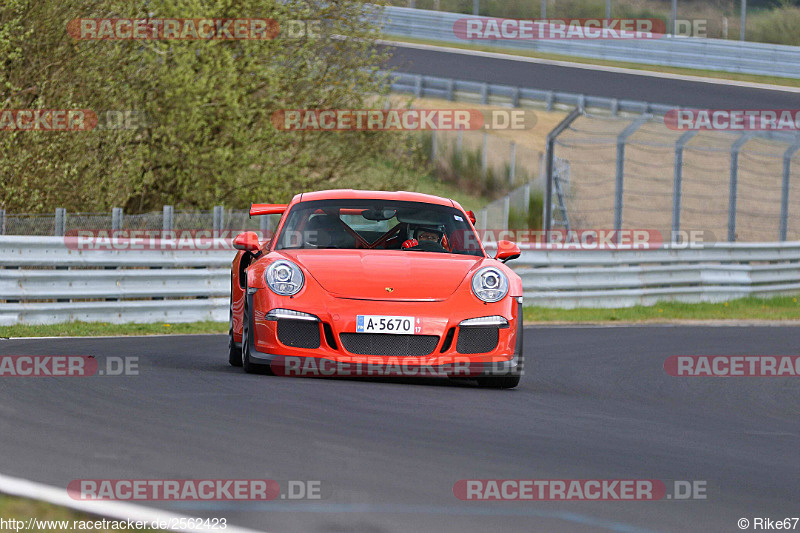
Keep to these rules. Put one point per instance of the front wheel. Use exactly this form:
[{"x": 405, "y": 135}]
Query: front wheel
[{"x": 249, "y": 366}]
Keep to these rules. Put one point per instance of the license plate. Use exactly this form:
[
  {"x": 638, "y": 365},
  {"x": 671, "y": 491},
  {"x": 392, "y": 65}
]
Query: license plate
[{"x": 398, "y": 325}]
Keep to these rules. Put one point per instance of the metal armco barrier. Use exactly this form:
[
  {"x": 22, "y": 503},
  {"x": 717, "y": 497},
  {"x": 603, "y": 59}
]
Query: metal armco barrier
[
  {"x": 688, "y": 52},
  {"x": 507, "y": 95},
  {"x": 626, "y": 277},
  {"x": 188, "y": 286}
]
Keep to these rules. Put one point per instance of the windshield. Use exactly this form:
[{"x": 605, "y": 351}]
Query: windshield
[{"x": 378, "y": 225}]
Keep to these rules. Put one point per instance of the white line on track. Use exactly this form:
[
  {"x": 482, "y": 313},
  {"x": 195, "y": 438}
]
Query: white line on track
[
  {"x": 113, "y": 510},
  {"x": 588, "y": 66}
]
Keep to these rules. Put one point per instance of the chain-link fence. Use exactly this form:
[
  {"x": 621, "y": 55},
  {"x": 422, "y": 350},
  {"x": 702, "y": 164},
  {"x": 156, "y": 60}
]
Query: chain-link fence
[
  {"x": 635, "y": 172},
  {"x": 485, "y": 164},
  {"x": 62, "y": 222}
]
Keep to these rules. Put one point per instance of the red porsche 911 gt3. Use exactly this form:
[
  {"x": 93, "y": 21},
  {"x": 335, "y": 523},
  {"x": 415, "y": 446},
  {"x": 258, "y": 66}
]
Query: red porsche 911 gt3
[{"x": 366, "y": 283}]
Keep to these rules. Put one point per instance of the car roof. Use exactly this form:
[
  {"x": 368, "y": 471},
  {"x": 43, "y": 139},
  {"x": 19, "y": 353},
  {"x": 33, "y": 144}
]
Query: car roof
[{"x": 352, "y": 194}]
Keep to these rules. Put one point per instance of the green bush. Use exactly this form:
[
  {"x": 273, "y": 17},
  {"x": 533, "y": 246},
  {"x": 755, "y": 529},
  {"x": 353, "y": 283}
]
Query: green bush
[
  {"x": 778, "y": 26},
  {"x": 518, "y": 220}
]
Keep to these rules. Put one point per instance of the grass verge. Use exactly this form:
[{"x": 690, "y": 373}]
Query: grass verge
[
  {"x": 104, "y": 329},
  {"x": 778, "y": 308},
  {"x": 732, "y": 76},
  {"x": 752, "y": 308},
  {"x": 23, "y": 509}
]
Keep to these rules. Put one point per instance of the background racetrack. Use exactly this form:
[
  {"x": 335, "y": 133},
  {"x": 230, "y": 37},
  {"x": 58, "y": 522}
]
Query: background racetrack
[
  {"x": 588, "y": 80},
  {"x": 595, "y": 403}
]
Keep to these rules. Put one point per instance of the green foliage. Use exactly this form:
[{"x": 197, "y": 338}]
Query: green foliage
[
  {"x": 208, "y": 137},
  {"x": 519, "y": 220},
  {"x": 778, "y": 26}
]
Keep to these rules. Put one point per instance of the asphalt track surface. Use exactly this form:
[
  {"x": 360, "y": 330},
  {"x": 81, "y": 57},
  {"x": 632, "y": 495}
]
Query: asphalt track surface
[
  {"x": 590, "y": 82},
  {"x": 595, "y": 404}
]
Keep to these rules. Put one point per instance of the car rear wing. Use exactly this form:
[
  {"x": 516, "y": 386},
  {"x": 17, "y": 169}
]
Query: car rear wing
[{"x": 267, "y": 209}]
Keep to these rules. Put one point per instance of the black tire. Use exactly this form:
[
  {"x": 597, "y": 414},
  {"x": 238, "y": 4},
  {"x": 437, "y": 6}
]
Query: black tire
[
  {"x": 499, "y": 382},
  {"x": 249, "y": 367},
  {"x": 234, "y": 352}
]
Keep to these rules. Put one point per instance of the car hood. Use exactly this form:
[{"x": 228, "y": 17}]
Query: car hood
[{"x": 385, "y": 275}]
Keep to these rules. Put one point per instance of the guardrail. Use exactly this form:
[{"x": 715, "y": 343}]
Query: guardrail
[
  {"x": 508, "y": 95},
  {"x": 626, "y": 277},
  {"x": 44, "y": 282},
  {"x": 687, "y": 52}
]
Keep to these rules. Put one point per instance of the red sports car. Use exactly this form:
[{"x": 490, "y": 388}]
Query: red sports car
[{"x": 365, "y": 283}]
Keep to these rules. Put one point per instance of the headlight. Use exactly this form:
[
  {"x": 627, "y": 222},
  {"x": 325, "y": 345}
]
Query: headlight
[
  {"x": 490, "y": 284},
  {"x": 284, "y": 278}
]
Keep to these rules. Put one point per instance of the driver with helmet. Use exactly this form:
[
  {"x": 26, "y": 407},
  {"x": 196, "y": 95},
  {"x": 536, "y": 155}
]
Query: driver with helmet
[{"x": 428, "y": 238}]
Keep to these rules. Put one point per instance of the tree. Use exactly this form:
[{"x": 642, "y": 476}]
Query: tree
[{"x": 207, "y": 137}]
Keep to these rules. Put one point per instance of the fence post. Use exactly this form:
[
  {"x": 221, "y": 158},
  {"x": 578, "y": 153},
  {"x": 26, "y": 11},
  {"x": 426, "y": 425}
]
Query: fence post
[
  {"x": 543, "y": 9},
  {"x": 526, "y": 195},
  {"x": 734, "y": 182},
  {"x": 116, "y": 218},
  {"x": 506, "y": 210},
  {"x": 451, "y": 94},
  {"x": 742, "y": 36},
  {"x": 219, "y": 219},
  {"x": 2, "y": 221},
  {"x": 677, "y": 182},
  {"x": 512, "y": 168},
  {"x": 548, "y": 162},
  {"x": 418, "y": 86},
  {"x": 60, "y": 223},
  {"x": 620, "y": 176},
  {"x": 787, "y": 171},
  {"x": 673, "y": 17},
  {"x": 485, "y": 155},
  {"x": 167, "y": 223},
  {"x": 485, "y": 93},
  {"x": 433, "y": 146},
  {"x": 476, "y": 7}
]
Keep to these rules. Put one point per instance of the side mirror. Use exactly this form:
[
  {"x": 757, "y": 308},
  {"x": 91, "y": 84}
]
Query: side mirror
[
  {"x": 247, "y": 241},
  {"x": 471, "y": 217},
  {"x": 506, "y": 251}
]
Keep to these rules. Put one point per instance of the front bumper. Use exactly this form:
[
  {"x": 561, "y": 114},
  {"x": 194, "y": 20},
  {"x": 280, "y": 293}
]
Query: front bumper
[{"x": 326, "y": 347}]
